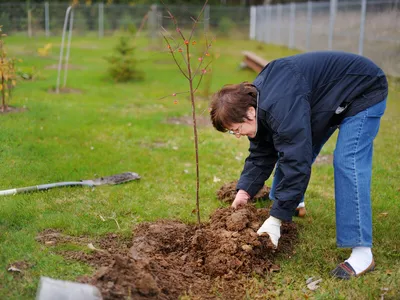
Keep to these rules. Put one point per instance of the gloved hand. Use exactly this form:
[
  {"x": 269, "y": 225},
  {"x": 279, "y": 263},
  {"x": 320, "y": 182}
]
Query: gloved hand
[
  {"x": 272, "y": 227},
  {"x": 241, "y": 199}
]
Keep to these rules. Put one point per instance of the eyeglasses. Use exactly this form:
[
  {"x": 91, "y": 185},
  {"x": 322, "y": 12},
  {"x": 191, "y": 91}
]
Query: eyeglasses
[{"x": 236, "y": 131}]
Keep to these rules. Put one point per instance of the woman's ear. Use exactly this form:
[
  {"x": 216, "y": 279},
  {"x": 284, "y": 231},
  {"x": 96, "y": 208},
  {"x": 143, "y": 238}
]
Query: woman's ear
[{"x": 251, "y": 113}]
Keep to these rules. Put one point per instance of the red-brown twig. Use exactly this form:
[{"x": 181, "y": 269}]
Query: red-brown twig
[{"x": 190, "y": 76}]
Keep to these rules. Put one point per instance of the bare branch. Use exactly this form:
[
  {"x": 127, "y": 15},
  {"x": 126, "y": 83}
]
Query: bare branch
[
  {"x": 202, "y": 59},
  {"x": 173, "y": 95},
  {"x": 201, "y": 77},
  {"x": 173, "y": 55},
  {"x": 197, "y": 19},
  {"x": 174, "y": 20}
]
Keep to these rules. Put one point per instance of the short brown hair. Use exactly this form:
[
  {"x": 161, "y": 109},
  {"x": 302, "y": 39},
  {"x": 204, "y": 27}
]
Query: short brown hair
[{"x": 230, "y": 104}]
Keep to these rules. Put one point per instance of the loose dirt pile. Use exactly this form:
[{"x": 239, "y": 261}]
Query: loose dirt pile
[
  {"x": 227, "y": 192},
  {"x": 170, "y": 259}
]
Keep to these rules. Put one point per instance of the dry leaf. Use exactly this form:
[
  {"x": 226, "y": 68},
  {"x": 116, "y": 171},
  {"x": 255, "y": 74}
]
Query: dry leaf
[
  {"x": 13, "y": 269},
  {"x": 309, "y": 280},
  {"x": 216, "y": 179},
  {"x": 314, "y": 285},
  {"x": 91, "y": 247},
  {"x": 274, "y": 268}
]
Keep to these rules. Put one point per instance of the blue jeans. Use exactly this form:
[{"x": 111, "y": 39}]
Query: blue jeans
[
  {"x": 316, "y": 150},
  {"x": 353, "y": 169}
]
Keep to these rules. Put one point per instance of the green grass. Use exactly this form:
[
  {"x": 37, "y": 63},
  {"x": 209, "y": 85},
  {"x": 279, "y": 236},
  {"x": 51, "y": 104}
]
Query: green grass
[{"x": 111, "y": 128}]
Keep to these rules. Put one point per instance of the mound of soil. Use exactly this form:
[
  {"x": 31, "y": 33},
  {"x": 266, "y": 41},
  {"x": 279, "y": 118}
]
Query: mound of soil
[
  {"x": 227, "y": 192},
  {"x": 170, "y": 259}
]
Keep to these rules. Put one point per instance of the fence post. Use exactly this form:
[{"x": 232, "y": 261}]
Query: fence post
[
  {"x": 62, "y": 48},
  {"x": 264, "y": 24},
  {"x": 292, "y": 29},
  {"x": 101, "y": 19},
  {"x": 153, "y": 22},
  {"x": 258, "y": 24},
  {"x": 278, "y": 23},
  {"x": 269, "y": 23},
  {"x": 29, "y": 23},
  {"x": 46, "y": 19},
  {"x": 207, "y": 18},
  {"x": 309, "y": 25},
  {"x": 71, "y": 22},
  {"x": 332, "y": 19},
  {"x": 362, "y": 27},
  {"x": 252, "y": 22}
]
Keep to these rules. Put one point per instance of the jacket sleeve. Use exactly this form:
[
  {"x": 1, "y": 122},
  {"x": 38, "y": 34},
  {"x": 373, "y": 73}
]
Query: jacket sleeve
[
  {"x": 293, "y": 141},
  {"x": 258, "y": 166}
]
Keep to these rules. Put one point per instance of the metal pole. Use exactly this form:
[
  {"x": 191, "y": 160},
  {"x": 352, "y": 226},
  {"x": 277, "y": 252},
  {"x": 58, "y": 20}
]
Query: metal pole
[
  {"x": 362, "y": 27},
  {"x": 29, "y": 23},
  {"x": 265, "y": 23},
  {"x": 292, "y": 29},
  {"x": 278, "y": 23},
  {"x": 29, "y": 16},
  {"x": 333, "y": 6},
  {"x": 62, "y": 48},
  {"x": 71, "y": 23},
  {"x": 309, "y": 25},
  {"x": 101, "y": 20},
  {"x": 207, "y": 18},
  {"x": 269, "y": 23},
  {"x": 252, "y": 22},
  {"x": 46, "y": 19}
]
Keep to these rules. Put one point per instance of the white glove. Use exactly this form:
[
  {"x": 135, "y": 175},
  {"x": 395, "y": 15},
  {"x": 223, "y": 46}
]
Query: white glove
[
  {"x": 241, "y": 199},
  {"x": 272, "y": 227}
]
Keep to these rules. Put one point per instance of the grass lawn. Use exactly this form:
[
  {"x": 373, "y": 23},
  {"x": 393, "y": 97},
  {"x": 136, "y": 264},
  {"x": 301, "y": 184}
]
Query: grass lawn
[{"x": 111, "y": 128}]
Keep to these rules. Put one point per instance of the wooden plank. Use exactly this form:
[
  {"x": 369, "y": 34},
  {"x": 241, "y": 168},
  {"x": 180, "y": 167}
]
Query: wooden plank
[{"x": 254, "y": 61}]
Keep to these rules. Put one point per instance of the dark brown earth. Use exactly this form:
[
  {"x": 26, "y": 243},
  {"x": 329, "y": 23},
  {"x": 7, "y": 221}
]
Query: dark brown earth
[
  {"x": 169, "y": 259},
  {"x": 227, "y": 192}
]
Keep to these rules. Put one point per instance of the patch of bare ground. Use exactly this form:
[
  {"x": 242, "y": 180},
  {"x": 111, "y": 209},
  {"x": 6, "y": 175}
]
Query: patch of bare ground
[
  {"x": 18, "y": 268},
  {"x": 170, "y": 259},
  {"x": 65, "y": 90},
  {"x": 188, "y": 120},
  {"x": 11, "y": 109},
  {"x": 324, "y": 159},
  {"x": 69, "y": 67}
]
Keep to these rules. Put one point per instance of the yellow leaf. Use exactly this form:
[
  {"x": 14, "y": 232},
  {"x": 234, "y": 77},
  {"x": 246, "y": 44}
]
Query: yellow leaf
[{"x": 13, "y": 82}]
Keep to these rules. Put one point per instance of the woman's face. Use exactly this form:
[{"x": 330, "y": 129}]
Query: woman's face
[{"x": 246, "y": 128}]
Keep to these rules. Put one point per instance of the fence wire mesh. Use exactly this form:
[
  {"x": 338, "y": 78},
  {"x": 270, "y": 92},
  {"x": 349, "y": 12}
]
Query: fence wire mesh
[
  {"x": 367, "y": 27},
  {"x": 370, "y": 28}
]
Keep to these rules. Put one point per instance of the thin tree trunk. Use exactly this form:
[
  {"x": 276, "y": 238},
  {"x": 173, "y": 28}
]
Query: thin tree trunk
[
  {"x": 195, "y": 133},
  {"x": 3, "y": 95}
]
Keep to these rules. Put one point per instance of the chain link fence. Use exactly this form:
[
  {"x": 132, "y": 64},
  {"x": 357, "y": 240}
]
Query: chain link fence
[
  {"x": 370, "y": 28},
  {"x": 103, "y": 19},
  {"x": 367, "y": 27}
]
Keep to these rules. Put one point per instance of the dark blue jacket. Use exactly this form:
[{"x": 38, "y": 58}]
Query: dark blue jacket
[{"x": 298, "y": 101}]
